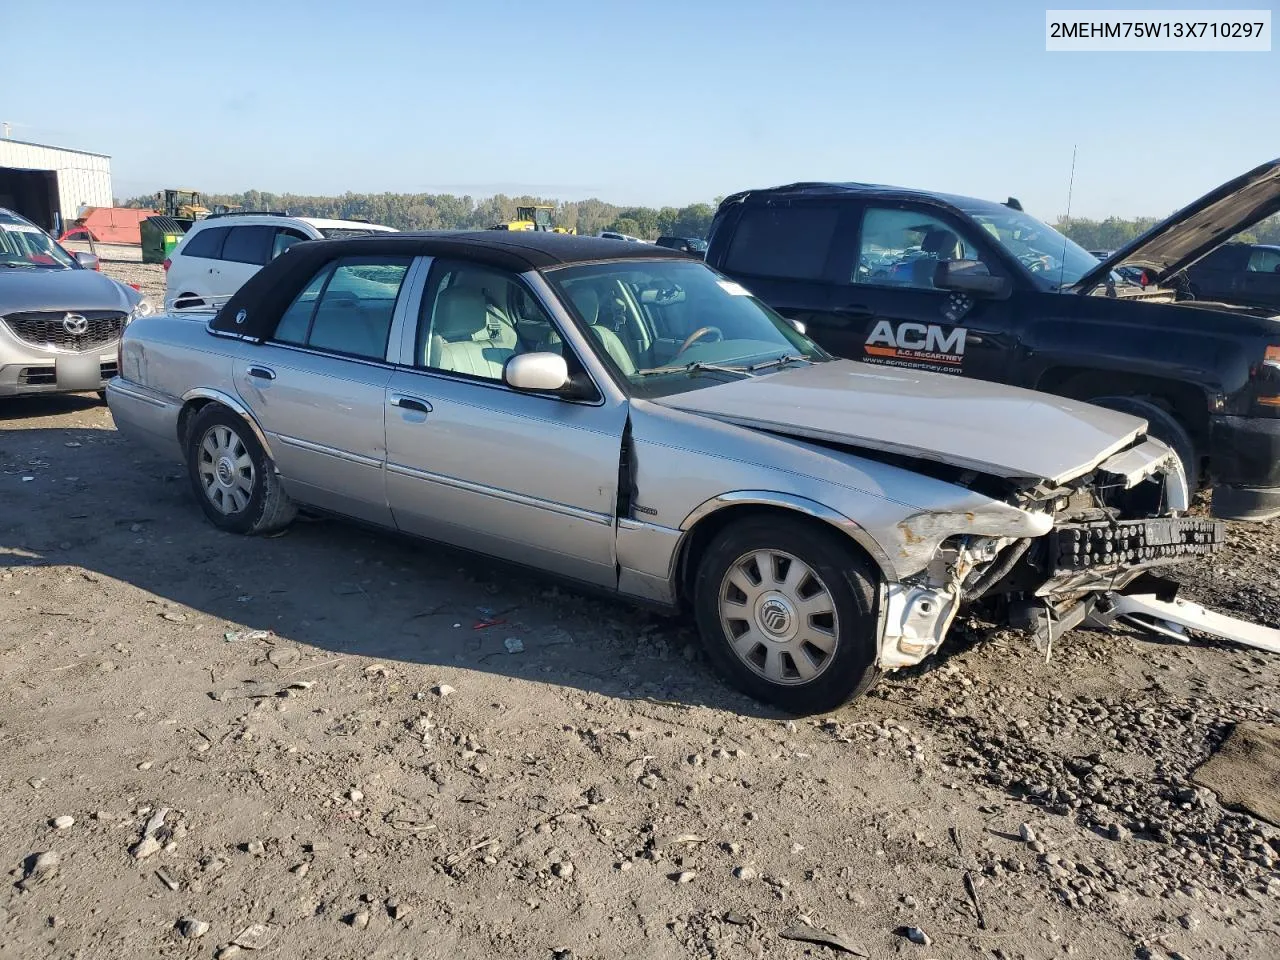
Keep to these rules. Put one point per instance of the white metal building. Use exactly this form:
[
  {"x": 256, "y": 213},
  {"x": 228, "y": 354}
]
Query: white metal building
[{"x": 39, "y": 181}]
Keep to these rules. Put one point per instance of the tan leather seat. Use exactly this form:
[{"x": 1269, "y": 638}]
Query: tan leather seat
[
  {"x": 461, "y": 315},
  {"x": 587, "y": 300}
]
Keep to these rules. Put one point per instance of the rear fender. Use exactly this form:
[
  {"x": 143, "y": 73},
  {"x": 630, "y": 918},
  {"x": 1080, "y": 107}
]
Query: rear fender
[{"x": 196, "y": 398}]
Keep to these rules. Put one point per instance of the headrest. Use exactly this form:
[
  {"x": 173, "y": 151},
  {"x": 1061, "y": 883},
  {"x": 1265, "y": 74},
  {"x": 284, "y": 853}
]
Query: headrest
[
  {"x": 942, "y": 244},
  {"x": 587, "y": 301},
  {"x": 460, "y": 314}
]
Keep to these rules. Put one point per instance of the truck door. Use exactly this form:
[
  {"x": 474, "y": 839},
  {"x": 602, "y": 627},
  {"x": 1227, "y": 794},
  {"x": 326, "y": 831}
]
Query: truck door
[{"x": 886, "y": 310}]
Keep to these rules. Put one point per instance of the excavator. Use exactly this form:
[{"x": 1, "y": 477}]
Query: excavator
[{"x": 533, "y": 218}]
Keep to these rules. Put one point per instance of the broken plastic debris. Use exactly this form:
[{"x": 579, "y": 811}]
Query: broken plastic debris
[
  {"x": 513, "y": 645},
  {"x": 235, "y": 636},
  {"x": 822, "y": 938}
]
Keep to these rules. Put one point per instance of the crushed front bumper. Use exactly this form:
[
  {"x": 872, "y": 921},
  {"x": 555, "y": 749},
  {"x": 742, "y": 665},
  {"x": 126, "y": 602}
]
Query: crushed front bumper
[{"x": 1104, "y": 545}]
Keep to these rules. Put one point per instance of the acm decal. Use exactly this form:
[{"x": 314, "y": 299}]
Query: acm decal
[{"x": 923, "y": 346}]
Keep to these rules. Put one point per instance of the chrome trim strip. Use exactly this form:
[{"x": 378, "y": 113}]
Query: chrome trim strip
[
  {"x": 114, "y": 386},
  {"x": 205, "y": 393},
  {"x": 604, "y": 519},
  {"x": 329, "y": 451}
]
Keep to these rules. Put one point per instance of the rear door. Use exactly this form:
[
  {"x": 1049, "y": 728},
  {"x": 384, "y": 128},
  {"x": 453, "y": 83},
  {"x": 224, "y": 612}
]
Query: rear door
[
  {"x": 318, "y": 385},
  {"x": 1221, "y": 273},
  {"x": 886, "y": 309},
  {"x": 244, "y": 252},
  {"x": 195, "y": 269},
  {"x": 1260, "y": 282},
  {"x": 781, "y": 252}
]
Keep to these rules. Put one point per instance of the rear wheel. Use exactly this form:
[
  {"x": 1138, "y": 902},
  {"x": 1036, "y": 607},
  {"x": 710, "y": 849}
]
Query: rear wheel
[
  {"x": 1164, "y": 427},
  {"x": 232, "y": 476},
  {"x": 787, "y": 613}
]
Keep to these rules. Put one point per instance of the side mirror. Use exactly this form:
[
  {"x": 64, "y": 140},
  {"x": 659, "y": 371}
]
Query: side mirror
[
  {"x": 971, "y": 277},
  {"x": 540, "y": 372},
  {"x": 797, "y": 326},
  {"x": 87, "y": 260}
]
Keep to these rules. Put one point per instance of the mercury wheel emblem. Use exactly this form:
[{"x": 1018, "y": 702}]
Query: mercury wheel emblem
[
  {"x": 775, "y": 616},
  {"x": 75, "y": 324}
]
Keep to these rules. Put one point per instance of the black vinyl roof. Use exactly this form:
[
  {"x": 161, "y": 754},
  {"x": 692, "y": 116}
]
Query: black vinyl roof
[
  {"x": 516, "y": 249},
  {"x": 271, "y": 289}
]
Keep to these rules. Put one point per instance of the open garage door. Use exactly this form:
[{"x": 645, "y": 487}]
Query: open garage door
[{"x": 31, "y": 193}]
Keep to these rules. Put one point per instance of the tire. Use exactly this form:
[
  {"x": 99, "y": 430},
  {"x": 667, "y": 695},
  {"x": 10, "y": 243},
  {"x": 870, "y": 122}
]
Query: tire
[
  {"x": 232, "y": 477},
  {"x": 1164, "y": 427},
  {"x": 839, "y": 649}
]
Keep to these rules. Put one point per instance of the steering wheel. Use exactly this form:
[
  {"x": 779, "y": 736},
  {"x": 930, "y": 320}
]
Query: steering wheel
[
  {"x": 1037, "y": 262},
  {"x": 697, "y": 335}
]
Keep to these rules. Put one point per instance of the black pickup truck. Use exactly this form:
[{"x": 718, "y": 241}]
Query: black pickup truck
[{"x": 903, "y": 277}]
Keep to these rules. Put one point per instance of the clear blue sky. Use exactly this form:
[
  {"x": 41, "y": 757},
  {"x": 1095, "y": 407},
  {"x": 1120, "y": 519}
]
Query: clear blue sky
[{"x": 649, "y": 102}]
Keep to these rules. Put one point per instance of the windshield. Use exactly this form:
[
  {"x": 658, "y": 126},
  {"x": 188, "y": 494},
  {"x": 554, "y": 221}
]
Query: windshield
[
  {"x": 1054, "y": 261},
  {"x": 25, "y": 246},
  {"x": 668, "y": 326}
]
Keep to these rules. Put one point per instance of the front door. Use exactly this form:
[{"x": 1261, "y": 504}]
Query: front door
[
  {"x": 531, "y": 478},
  {"x": 886, "y": 309},
  {"x": 319, "y": 385}
]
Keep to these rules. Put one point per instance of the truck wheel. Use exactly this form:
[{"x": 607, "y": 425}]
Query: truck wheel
[
  {"x": 1164, "y": 427},
  {"x": 787, "y": 613},
  {"x": 234, "y": 480}
]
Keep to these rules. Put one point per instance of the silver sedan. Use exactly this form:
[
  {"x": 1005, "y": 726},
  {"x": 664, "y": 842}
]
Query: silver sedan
[{"x": 624, "y": 416}]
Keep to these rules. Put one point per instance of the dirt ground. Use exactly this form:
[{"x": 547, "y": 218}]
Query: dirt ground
[{"x": 322, "y": 745}]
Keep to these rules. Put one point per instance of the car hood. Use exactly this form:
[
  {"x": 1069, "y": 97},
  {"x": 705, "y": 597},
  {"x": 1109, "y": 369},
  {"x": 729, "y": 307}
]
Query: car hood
[
  {"x": 24, "y": 289},
  {"x": 1197, "y": 229},
  {"x": 994, "y": 429}
]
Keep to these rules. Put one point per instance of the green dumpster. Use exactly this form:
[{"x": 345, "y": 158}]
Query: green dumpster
[{"x": 159, "y": 236}]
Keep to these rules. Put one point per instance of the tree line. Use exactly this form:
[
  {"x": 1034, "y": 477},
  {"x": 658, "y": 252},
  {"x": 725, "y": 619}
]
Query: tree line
[
  {"x": 442, "y": 211},
  {"x": 1114, "y": 232}
]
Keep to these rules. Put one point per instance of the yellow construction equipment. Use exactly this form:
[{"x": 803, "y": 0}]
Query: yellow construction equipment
[
  {"x": 533, "y": 218},
  {"x": 181, "y": 205}
]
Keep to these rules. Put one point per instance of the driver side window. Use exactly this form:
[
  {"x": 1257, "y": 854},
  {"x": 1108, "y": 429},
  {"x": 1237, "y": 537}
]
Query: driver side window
[{"x": 901, "y": 248}]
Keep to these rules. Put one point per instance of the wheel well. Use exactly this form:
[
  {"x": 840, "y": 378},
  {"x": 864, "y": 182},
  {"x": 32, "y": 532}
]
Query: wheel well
[
  {"x": 1184, "y": 402},
  {"x": 189, "y": 410},
  {"x": 700, "y": 537}
]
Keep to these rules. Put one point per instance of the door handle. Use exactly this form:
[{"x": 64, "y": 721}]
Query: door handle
[
  {"x": 261, "y": 373},
  {"x": 405, "y": 402},
  {"x": 854, "y": 309}
]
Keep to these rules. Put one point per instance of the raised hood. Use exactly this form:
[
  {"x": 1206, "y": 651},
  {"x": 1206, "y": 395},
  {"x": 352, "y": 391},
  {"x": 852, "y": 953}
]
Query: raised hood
[
  {"x": 988, "y": 427},
  {"x": 1197, "y": 229}
]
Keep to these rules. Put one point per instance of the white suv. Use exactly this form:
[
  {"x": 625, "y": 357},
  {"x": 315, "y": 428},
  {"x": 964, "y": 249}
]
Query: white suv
[{"x": 220, "y": 253}]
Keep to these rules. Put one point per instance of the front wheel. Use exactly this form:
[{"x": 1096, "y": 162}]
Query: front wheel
[
  {"x": 787, "y": 612},
  {"x": 232, "y": 476}
]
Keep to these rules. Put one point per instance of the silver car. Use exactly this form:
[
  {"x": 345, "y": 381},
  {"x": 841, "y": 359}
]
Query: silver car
[
  {"x": 628, "y": 418},
  {"x": 60, "y": 319}
]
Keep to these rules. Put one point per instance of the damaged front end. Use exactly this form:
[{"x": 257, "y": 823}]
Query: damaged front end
[{"x": 1040, "y": 556}]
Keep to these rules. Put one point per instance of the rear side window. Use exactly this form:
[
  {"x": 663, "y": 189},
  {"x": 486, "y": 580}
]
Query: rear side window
[
  {"x": 346, "y": 307},
  {"x": 248, "y": 244},
  {"x": 206, "y": 243},
  {"x": 785, "y": 242}
]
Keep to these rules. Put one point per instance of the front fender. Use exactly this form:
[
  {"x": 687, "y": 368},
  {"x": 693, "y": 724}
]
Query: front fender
[{"x": 798, "y": 504}]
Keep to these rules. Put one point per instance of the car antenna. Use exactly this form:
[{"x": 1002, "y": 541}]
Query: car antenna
[{"x": 1071, "y": 183}]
